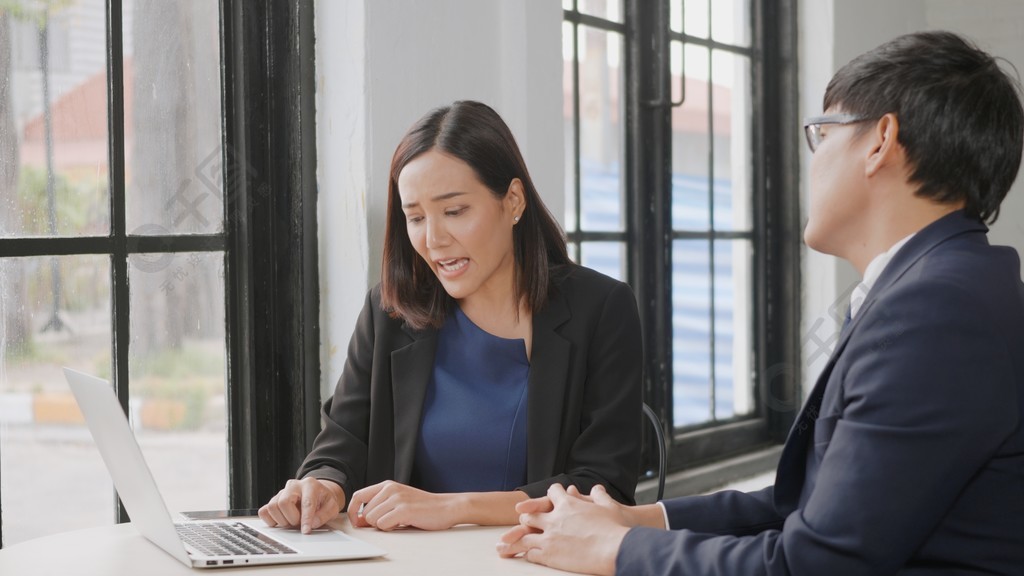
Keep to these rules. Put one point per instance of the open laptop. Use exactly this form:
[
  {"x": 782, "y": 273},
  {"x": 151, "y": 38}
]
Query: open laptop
[{"x": 199, "y": 544}]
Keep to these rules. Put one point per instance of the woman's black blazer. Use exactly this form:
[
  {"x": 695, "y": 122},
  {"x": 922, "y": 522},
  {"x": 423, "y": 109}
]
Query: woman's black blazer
[{"x": 584, "y": 394}]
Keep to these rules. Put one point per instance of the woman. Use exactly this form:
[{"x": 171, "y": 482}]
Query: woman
[{"x": 486, "y": 366}]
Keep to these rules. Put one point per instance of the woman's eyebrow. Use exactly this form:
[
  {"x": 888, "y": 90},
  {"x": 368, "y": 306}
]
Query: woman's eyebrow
[{"x": 438, "y": 198}]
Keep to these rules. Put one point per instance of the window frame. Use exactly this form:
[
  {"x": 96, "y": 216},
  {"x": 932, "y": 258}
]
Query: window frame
[
  {"x": 775, "y": 232},
  {"x": 269, "y": 240}
]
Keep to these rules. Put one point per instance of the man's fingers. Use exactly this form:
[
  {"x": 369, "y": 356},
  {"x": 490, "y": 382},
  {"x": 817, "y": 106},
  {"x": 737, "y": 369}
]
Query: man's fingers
[
  {"x": 537, "y": 522},
  {"x": 514, "y": 534},
  {"x": 557, "y": 494},
  {"x": 600, "y": 495},
  {"x": 534, "y": 506},
  {"x": 529, "y": 541}
]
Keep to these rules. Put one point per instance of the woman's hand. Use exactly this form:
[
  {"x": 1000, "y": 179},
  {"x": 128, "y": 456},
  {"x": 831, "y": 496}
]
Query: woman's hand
[
  {"x": 308, "y": 503},
  {"x": 391, "y": 505}
]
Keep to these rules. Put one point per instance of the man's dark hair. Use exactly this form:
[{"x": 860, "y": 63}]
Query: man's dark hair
[
  {"x": 474, "y": 133},
  {"x": 960, "y": 115}
]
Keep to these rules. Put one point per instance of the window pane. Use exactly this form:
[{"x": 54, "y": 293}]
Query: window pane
[
  {"x": 178, "y": 374},
  {"x": 607, "y": 9},
  {"x": 53, "y": 477},
  {"x": 695, "y": 18},
  {"x": 569, "y": 124},
  {"x": 690, "y": 140},
  {"x": 676, "y": 15},
  {"x": 734, "y": 326},
  {"x": 732, "y": 140},
  {"x": 730, "y": 21},
  {"x": 691, "y": 332},
  {"x": 607, "y": 258},
  {"x": 601, "y": 130},
  {"x": 53, "y": 126},
  {"x": 567, "y": 4},
  {"x": 173, "y": 147}
]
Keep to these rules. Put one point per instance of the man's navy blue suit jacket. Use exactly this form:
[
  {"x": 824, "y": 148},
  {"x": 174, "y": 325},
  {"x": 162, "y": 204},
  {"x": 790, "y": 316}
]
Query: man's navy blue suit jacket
[{"x": 908, "y": 456}]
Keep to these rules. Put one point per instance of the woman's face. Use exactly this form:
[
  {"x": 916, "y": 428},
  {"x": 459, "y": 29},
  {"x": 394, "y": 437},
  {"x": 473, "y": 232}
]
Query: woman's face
[{"x": 459, "y": 227}]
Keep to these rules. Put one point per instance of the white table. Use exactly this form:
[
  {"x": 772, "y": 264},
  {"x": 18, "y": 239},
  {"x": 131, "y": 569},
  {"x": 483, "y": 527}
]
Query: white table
[{"x": 121, "y": 550}]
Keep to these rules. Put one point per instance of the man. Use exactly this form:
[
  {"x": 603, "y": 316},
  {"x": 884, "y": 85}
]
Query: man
[{"x": 908, "y": 456}]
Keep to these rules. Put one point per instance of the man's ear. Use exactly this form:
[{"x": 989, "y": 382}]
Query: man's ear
[{"x": 884, "y": 148}]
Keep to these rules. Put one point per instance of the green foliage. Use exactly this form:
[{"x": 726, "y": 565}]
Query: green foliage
[
  {"x": 34, "y": 11},
  {"x": 190, "y": 374},
  {"x": 190, "y": 361},
  {"x": 79, "y": 206}
]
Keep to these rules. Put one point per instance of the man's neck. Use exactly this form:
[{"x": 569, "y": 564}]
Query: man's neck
[{"x": 882, "y": 231}]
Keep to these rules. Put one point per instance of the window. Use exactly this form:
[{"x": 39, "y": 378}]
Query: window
[
  {"x": 157, "y": 227},
  {"x": 679, "y": 180}
]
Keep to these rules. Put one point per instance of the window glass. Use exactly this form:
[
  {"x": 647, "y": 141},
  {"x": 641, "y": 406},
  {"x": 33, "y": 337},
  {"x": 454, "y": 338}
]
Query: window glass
[
  {"x": 53, "y": 124},
  {"x": 690, "y": 140},
  {"x": 734, "y": 328},
  {"x": 601, "y": 130},
  {"x": 173, "y": 150},
  {"x": 177, "y": 365},
  {"x": 608, "y": 258},
  {"x": 569, "y": 123},
  {"x": 730, "y": 22},
  {"x": 691, "y": 332},
  {"x": 52, "y": 478},
  {"x": 733, "y": 153},
  {"x": 607, "y": 9}
]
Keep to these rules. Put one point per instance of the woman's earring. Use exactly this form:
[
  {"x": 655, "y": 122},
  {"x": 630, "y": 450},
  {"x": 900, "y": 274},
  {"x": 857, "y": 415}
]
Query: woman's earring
[{"x": 515, "y": 219}]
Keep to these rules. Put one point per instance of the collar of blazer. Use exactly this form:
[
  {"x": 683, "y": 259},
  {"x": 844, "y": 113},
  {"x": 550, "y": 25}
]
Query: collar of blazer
[
  {"x": 792, "y": 461},
  {"x": 412, "y": 366}
]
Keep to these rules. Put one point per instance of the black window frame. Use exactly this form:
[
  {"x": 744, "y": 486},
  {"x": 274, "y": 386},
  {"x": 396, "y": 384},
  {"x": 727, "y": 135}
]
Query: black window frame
[
  {"x": 649, "y": 234},
  {"x": 269, "y": 239}
]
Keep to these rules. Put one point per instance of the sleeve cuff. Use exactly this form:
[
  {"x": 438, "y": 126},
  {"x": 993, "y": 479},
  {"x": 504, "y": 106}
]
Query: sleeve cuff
[{"x": 664, "y": 514}]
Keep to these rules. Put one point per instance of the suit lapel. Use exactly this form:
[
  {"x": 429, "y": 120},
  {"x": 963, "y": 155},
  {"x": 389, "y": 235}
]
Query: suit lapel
[
  {"x": 412, "y": 366},
  {"x": 549, "y": 367},
  {"x": 793, "y": 461}
]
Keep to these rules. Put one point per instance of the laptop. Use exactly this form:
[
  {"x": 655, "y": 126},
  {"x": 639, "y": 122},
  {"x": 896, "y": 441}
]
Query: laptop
[{"x": 196, "y": 543}]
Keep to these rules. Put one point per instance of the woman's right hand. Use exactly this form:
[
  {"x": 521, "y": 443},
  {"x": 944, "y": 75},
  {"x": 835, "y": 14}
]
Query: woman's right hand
[{"x": 307, "y": 504}]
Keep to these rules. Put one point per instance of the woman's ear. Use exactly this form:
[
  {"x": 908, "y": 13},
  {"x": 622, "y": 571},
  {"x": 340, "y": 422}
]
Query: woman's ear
[{"x": 515, "y": 199}]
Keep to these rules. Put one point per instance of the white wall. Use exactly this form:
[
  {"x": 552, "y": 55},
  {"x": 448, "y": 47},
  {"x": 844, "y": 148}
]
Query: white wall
[
  {"x": 832, "y": 32},
  {"x": 997, "y": 26},
  {"x": 382, "y": 64}
]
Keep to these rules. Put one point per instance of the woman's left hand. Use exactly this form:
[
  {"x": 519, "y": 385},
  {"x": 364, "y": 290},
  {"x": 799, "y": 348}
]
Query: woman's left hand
[{"x": 390, "y": 505}]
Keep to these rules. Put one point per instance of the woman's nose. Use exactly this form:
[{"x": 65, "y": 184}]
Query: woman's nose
[{"x": 437, "y": 233}]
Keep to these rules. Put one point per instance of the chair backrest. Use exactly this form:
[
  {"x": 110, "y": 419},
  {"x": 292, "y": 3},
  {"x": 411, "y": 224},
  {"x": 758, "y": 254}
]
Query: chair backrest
[{"x": 659, "y": 434}]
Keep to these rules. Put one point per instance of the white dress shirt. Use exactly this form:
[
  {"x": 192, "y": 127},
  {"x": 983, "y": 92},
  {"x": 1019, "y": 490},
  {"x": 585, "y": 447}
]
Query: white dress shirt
[{"x": 871, "y": 274}]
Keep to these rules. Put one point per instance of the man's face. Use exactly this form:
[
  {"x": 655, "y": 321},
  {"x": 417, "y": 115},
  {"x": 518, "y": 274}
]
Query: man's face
[{"x": 838, "y": 188}]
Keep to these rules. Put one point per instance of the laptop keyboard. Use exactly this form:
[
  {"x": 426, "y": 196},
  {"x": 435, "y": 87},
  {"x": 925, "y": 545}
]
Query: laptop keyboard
[{"x": 229, "y": 539}]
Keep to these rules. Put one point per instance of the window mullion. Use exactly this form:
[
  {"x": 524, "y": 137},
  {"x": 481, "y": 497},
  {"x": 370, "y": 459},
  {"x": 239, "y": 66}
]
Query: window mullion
[
  {"x": 648, "y": 167},
  {"x": 119, "y": 254}
]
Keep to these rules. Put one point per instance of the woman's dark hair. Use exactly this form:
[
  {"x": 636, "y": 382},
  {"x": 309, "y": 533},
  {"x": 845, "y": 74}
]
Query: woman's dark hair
[
  {"x": 474, "y": 133},
  {"x": 960, "y": 115}
]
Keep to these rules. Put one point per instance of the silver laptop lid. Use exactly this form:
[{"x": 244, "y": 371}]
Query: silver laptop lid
[{"x": 123, "y": 457}]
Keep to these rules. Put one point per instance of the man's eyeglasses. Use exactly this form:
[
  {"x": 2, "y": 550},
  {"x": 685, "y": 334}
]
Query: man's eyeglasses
[{"x": 812, "y": 126}]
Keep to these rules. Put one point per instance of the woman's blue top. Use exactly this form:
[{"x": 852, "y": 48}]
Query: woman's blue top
[{"x": 473, "y": 429}]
